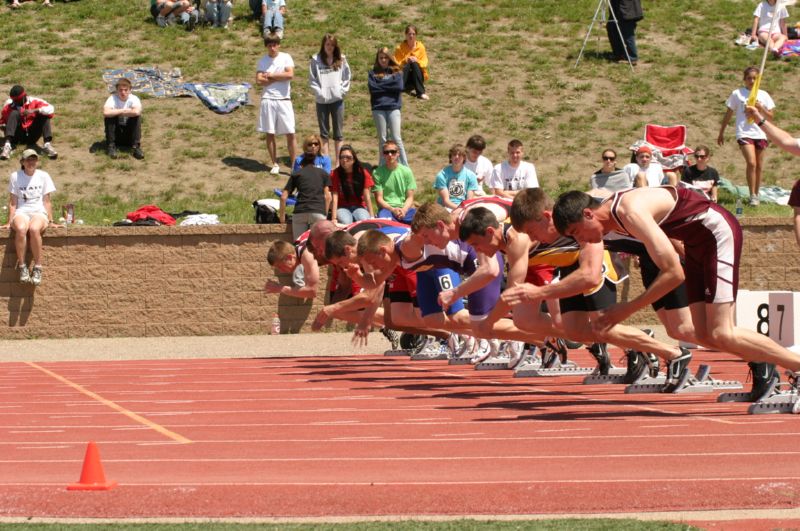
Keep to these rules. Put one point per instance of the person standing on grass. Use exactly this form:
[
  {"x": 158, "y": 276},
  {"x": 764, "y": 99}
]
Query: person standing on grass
[
  {"x": 23, "y": 120},
  {"x": 274, "y": 74},
  {"x": 329, "y": 79},
  {"x": 29, "y": 213},
  {"x": 413, "y": 59},
  {"x": 628, "y": 13},
  {"x": 122, "y": 116},
  {"x": 478, "y": 164},
  {"x": 751, "y": 139},
  {"x": 786, "y": 142},
  {"x": 514, "y": 174},
  {"x": 313, "y": 187},
  {"x": 385, "y": 82}
]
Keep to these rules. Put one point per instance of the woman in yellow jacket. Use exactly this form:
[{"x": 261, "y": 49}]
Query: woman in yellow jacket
[{"x": 412, "y": 57}]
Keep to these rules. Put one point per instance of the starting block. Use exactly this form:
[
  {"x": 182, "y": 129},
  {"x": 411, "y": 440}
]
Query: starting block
[
  {"x": 777, "y": 400},
  {"x": 495, "y": 363},
  {"x": 528, "y": 363},
  {"x": 463, "y": 360},
  {"x": 399, "y": 352},
  {"x": 701, "y": 382},
  {"x": 425, "y": 357},
  {"x": 615, "y": 376},
  {"x": 570, "y": 368}
]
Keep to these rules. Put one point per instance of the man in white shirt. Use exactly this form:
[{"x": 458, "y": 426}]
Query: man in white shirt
[
  {"x": 477, "y": 163},
  {"x": 514, "y": 174},
  {"x": 274, "y": 75},
  {"x": 645, "y": 171},
  {"x": 122, "y": 115}
]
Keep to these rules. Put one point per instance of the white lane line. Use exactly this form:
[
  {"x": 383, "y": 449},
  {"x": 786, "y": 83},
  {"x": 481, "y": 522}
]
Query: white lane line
[{"x": 36, "y": 431}]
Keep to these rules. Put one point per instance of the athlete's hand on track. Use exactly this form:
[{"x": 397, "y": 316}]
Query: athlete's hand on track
[{"x": 360, "y": 335}]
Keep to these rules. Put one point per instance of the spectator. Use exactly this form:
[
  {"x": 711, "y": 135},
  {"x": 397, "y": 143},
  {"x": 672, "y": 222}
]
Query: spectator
[
  {"x": 514, "y": 174},
  {"x": 394, "y": 186},
  {"x": 218, "y": 12},
  {"x": 411, "y": 56},
  {"x": 311, "y": 145},
  {"x": 29, "y": 213},
  {"x": 272, "y": 13},
  {"x": 477, "y": 163},
  {"x": 751, "y": 139},
  {"x": 122, "y": 115},
  {"x": 701, "y": 175},
  {"x": 385, "y": 83},
  {"x": 645, "y": 171},
  {"x": 351, "y": 184},
  {"x": 168, "y": 11},
  {"x": 455, "y": 182},
  {"x": 609, "y": 176},
  {"x": 628, "y": 13},
  {"x": 762, "y": 25},
  {"x": 275, "y": 73},
  {"x": 313, "y": 187},
  {"x": 329, "y": 79},
  {"x": 24, "y": 119},
  {"x": 786, "y": 142}
]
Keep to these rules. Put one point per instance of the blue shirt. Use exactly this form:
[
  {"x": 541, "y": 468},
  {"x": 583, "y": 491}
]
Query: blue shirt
[{"x": 457, "y": 184}]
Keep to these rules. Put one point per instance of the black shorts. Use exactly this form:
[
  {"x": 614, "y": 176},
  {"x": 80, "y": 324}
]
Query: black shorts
[
  {"x": 675, "y": 299},
  {"x": 599, "y": 300}
]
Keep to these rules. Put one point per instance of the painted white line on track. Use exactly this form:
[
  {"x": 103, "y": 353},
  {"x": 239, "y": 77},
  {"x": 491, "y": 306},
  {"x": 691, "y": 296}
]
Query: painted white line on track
[{"x": 36, "y": 431}]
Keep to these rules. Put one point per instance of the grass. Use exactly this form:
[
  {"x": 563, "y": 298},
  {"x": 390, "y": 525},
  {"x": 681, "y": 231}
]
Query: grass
[
  {"x": 503, "y": 68},
  {"x": 453, "y": 525}
]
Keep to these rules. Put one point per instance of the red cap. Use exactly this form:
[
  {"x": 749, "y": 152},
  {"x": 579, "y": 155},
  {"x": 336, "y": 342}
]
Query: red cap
[{"x": 644, "y": 149}]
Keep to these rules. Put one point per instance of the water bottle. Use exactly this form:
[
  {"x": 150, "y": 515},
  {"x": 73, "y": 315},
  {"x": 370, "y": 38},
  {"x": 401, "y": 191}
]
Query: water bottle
[
  {"x": 276, "y": 325},
  {"x": 739, "y": 208}
]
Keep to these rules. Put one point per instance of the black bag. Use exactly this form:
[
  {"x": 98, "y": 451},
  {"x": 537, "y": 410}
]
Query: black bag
[{"x": 265, "y": 214}]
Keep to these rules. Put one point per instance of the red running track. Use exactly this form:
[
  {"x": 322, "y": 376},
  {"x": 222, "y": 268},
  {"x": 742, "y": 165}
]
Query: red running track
[{"x": 372, "y": 436}]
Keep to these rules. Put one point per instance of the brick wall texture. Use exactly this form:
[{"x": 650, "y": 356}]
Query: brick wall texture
[{"x": 168, "y": 281}]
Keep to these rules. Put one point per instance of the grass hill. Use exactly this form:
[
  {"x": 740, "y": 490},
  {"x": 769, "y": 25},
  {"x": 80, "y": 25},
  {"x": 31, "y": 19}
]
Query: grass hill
[{"x": 502, "y": 68}]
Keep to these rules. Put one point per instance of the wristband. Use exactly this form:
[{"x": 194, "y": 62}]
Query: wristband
[{"x": 761, "y": 122}]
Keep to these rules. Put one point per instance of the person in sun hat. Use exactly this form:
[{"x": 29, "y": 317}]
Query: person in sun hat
[
  {"x": 23, "y": 120},
  {"x": 29, "y": 213}
]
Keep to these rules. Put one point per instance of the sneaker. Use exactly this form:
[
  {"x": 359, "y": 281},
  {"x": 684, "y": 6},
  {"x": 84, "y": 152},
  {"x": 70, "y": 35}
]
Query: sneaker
[
  {"x": 487, "y": 349},
  {"x": 426, "y": 343},
  {"x": 138, "y": 154},
  {"x": 434, "y": 350},
  {"x": 392, "y": 336},
  {"x": 424, "y": 96},
  {"x": 24, "y": 274},
  {"x": 48, "y": 150},
  {"x": 636, "y": 366},
  {"x": 36, "y": 275},
  {"x": 677, "y": 372},
  {"x": 765, "y": 379},
  {"x": 161, "y": 21},
  {"x": 454, "y": 344},
  {"x": 190, "y": 23},
  {"x": 550, "y": 358},
  {"x": 753, "y": 200},
  {"x": 6, "y": 153},
  {"x": 112, "y": 151},
  {"x": 276, "y": 169},
  {"x": 515, "y": 351},
  {"x": 467, "y": 347},
  {"x": 557, "y": 345},
  {"x": 600, "y": 353},
  {"x": 411, "y": 341},
  {"x": 653, "y": 364}
]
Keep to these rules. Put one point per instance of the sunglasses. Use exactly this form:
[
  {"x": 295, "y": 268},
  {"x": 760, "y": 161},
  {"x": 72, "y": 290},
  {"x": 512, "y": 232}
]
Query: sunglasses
[
  {"x": 701, "y": 156},
  {"x": 312, "y": 144},
  {"x": 346, "y": 157},
  {"x": 609, "y": 158},
  {"x": 390, "y": 152}
]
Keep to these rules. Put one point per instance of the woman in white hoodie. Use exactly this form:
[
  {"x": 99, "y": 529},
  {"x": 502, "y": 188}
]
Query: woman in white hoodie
[{"x": 329, "y": 79}]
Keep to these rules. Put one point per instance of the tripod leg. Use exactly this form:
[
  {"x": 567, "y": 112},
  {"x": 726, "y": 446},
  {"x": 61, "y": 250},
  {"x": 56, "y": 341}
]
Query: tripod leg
[{"x": 589, "y": 31}]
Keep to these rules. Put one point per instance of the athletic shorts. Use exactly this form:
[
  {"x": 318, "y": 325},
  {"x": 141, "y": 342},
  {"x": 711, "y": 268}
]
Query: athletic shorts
[
  {"x": 480, "y": 303},
  {"x": 540, "y": 275},
  {"x": 432, "y": 282},
  {"x": 677, "y": 298},
  {"x": 759, "y": 143},
  {"x": 28, "y": 216},
  {"x": 276, "y": 117},
  {"x": 713, "y": 253},
  {"x": 401, "y": 286},
  {"x": 599, "y": 300}
]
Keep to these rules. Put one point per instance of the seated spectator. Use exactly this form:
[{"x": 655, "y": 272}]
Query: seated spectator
[
  {"x": 455, "y": 182},
  {"x": 122, "y": 115},
  {"x": 24, "y": 119},
  {"x": 762, "y": 24},
  {"x": 645, "y": 171},
  {"x": 477, "y": 163},
  {"x": 701, "y": 175},
  {"x": 168, "y": 11},
  {"x": 609, "y": 176},
  {"x": 29, "y": 213},
  {"x": 394, "y": 186},
  {"x": 272, "y": 14},
  {"x": 313, "y": 187},
  {"x": 16, "y": 3},
  {"x": 351, "y": 186},
  {"x": 413, "y": 59},
  {"x": 514, "y": 174},
  {"x": 312, "y": 145},
  {"x": 218, "y": 12}
]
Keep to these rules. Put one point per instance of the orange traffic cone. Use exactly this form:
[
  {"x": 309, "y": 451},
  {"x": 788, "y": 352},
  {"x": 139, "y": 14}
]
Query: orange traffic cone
[{"x": 92, "y": 475}]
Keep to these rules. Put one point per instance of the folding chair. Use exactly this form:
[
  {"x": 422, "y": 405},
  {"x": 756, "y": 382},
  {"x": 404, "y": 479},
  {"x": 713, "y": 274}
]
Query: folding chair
[{"x": 669, "y": 145}]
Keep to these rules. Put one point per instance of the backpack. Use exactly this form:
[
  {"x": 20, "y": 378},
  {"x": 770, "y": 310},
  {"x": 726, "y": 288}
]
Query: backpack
[{"x": 265, "y": 212}]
